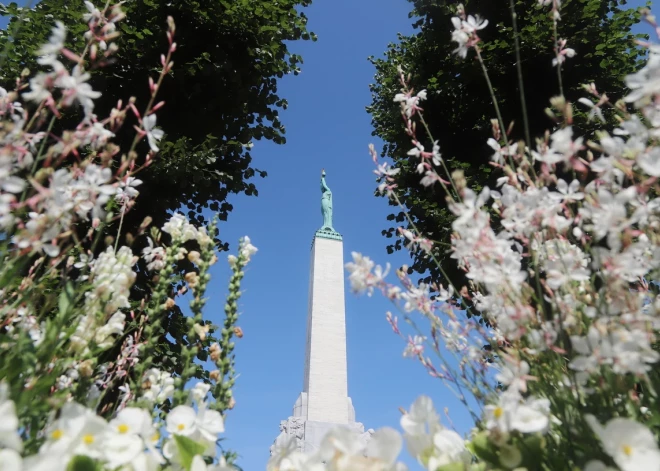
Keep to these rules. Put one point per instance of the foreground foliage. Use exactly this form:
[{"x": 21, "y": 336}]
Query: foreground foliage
[{"x": 458, "y": 103}]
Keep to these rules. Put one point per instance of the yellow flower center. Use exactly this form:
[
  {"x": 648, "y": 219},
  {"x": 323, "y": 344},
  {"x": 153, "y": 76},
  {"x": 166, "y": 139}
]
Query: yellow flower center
[
  {"x": 155, "y": 437},
  {"x": 180, "y": 427},
  {"x": 123, "y": 428},
  {"x": 88, "y": 439},
  {"x": 627, "y": 449},
  {"x": 57, "y": 434},
  {"x": 498, "y": 412}
]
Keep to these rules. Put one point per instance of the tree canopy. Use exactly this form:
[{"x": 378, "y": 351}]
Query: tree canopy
[
  {"x": 459, "y": 107},
  {"x": 220, "y": 96}
]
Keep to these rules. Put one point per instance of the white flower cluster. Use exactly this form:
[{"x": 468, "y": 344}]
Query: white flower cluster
[
  {"x": 182, "y": 231},
  {"x": 431, "y": 444},
  {"x": 363, "y": 276},
  {"x": 72, "y": 192},
  {"x": 130, "y": 440},
  {"x": 22, "y": 320},
  {"x": 154, "y": 256},
  {"x": 157, "y": 386},
  {"x": 111, "y": 276},
  {"x": 465, "y": 31}
]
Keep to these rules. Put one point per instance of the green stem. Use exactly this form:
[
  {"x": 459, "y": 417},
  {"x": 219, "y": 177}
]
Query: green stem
[{"x": 516, "y": 40}]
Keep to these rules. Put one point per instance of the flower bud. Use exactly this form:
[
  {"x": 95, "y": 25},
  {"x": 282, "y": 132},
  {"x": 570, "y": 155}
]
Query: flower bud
[
  {"x": 193, "y": 256},
  {"x": 191, "y": 278},
  {"x": 86, "y": 368}
]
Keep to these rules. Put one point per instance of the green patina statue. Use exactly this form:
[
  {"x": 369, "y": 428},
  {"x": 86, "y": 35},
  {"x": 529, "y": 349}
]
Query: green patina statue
[
  {"x": 326, "y": 231},
  {"x": 326, "y": 205}
]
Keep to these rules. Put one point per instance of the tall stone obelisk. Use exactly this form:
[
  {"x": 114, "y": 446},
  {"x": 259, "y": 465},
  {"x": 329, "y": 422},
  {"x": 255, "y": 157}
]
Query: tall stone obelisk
[{"x": 323, "y": 402}]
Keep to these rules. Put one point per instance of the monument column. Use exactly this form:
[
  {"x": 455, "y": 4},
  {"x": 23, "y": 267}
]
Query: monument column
[
  {"x": 323, "y": 402},
  {"x": 325, "y": 380}
]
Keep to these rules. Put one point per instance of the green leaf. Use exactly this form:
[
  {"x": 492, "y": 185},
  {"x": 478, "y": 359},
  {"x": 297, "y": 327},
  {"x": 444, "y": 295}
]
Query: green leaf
[
  {"x": 83, "y": 463},
  {"x": 66, "y": 298},
  {"x": 483, "y": 448},
  {"x": 452, "y": 467},
  {"x": 188, "y": 449}
]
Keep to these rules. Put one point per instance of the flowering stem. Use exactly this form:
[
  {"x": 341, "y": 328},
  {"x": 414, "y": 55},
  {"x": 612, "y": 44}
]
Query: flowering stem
[
  {"x": 121, "y": 222},
  {"x": 556, "y": 38},
  {"x": 516, "y": 40},
  {"x": 225, "y": 363},
  {"x": 494, "y": 98},
  {"x": 442, "y": 161},
  {"x": 196, "y": 306},
  {"x": 154, "y": 313}
]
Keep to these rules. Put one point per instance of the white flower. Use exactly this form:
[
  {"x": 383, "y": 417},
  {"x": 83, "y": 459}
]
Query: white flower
[
  {"x": 286, "y": 457},
  {"x": 420, "y": 425},
  {"x": 384, "y": 447},
  {"x": 94, "y": 12},
  {"x": 55, "y": 41},
  {"x": 595, "y": 109},
  {"x": 474, "y": 23},
  {"x": 501, "y": 153},
  {"x": 532, "y": 416},
  {"x": 361, "y": 276},
  {"x": 409, "y": 102},
  {"x": 126, "y": 191},
  {"x": 205, "y": 424},
  {"x": 181, "y": 421},
  {"x": 246, "y": 248},
  {"x": 649, "y": 162},
  {"x": 180, "y": 229},
  {"x": 513, "y": 413},
  {"x": 449, "y": 448},
  {"x": 342, "y": 450},
  {"x": 209, "y": 424},
  {"x": 415, "y": 346},
  {"x": 91, "y": 437},
  {"x": 199, "y": 391},
  {"x": 132, "y": 421},
  {"x": 114, "y": 326},
  {"x": 10, "y": 460},
  {"x": 8, "y": 421},
  {"x": 130, "y": 433},
  {"x": 40, "y": 86},
  {"x": 646, "y": 82},
  {"x": 595, "y": 465},
  {"x": 77, "y": 431},
  {"x": 161, "y": 386},
  {"x": 514, "y": 374},
  {"x": 154, "y": 256},
  {"x": 631, "y": 445},
  {"x": 153, "y": 135},
  {"x": 465, "y": 32},
  {"x": 568, "y": 192},
  {"x": 76, "y": 88}
]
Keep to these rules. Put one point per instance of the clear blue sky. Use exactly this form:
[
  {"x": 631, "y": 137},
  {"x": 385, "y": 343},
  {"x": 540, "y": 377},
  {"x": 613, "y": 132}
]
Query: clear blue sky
[{"x": 328, "y": 127}]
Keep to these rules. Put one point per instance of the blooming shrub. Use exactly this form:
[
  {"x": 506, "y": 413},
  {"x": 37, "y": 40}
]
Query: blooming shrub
[{"x": 65, "y": 284}]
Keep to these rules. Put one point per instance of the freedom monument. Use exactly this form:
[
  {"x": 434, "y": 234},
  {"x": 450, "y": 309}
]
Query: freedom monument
[{"x": 323, "y": 403}]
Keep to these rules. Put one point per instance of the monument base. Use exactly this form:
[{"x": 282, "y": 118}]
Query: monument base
[{"x": 309, "y": 434}]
